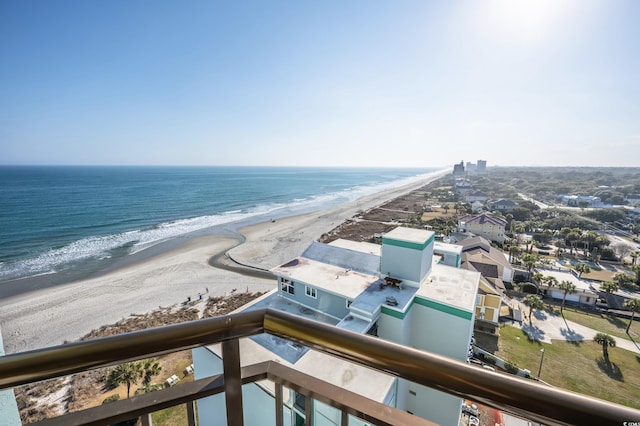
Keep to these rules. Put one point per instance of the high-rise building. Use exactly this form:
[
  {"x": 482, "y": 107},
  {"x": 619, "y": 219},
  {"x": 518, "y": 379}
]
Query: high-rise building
[{"x": 398, "y": 291}]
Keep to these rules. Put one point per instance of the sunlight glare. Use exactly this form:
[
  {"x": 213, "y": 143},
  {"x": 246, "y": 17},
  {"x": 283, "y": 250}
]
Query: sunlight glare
[{"x": 528, "y": 21}]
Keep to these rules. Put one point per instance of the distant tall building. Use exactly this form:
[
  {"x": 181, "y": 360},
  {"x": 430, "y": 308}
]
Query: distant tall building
[
  {"x": 482, "y": 166},
  {"x": 458, "y": 169},
  {"x": 470, "y": 167}
]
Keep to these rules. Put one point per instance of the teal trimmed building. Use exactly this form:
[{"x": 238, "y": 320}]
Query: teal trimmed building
[{"x": 400, "y": 291}]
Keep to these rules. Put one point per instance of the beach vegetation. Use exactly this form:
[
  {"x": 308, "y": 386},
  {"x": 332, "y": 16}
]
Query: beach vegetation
[{"x": 128, "y": 374}]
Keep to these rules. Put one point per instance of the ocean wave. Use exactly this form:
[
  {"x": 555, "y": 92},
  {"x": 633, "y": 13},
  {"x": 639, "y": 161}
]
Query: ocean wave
[{"x": 100, "y": 248}]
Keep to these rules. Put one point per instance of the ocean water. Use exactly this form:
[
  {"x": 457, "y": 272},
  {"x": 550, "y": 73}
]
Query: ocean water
[{"x": 60, "y": 219}]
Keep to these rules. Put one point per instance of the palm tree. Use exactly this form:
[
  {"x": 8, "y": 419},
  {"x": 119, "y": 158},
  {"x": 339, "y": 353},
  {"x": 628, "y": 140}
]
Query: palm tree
[
  {"x": 150, "y": 368},
  {"x": 513, "y": 253},
  {"x": 533, "y": 301},
  {"x": 606, "y": 341},
  {"x": 549, "y": 281},
  {"x": 582, "y": 268},
  {"x": 128, "y": 373},
  {"x": 634, "y": 306},
  {"x": 609, "y": 287},
  {"x": 567, "y": 287},
  {"x": 530, "y": 261}
]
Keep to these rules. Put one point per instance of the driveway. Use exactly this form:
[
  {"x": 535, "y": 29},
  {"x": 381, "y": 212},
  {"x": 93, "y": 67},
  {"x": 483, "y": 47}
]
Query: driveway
[{"x": 546, "y": 327}]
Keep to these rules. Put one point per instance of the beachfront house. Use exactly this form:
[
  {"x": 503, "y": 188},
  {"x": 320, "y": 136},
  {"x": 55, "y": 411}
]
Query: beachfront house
[
  {"x": 490, "y": 227},
  {"x": 407, "y": 290},
  {"x": 585, "y": 293}
]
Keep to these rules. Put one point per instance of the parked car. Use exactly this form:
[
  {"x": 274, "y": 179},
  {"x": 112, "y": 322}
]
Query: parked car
[{"x": 474, "y": 421}]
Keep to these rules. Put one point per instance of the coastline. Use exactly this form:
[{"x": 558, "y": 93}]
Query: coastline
[{"x": 165, "y": 276}]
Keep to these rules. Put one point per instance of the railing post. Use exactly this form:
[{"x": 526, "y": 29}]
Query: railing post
[
  {"x": 279, "y": 405},
  {"x": 146, "y": 420},
  {"x": 308, "y": 410},
  {"x": 191, "y": 413},
  {"x": 232, "y": 382},
  {"x": 344, "y": 420}
]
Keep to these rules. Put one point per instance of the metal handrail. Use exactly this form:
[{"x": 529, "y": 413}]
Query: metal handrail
[{"x": 520, "y": 396}]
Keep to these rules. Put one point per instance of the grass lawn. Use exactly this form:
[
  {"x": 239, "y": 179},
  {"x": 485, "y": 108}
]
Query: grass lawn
[
  {"x": 578, "y": 367},
  {"x": 600, "y": 321},
  {"x": 176, "y": 415}
]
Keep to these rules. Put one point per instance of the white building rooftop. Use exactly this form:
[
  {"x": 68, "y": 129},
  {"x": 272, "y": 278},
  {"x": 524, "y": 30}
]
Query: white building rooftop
[
  {"x": 451, "y": 286},
  {"x": 418, "y": 236},
  {"x": 581, "y": 285},
  {"x": 334, "y": 279}
]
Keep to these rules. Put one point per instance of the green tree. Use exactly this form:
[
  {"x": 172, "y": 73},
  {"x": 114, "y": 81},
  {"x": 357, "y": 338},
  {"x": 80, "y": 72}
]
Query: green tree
[
  {"x": 582, "y": 268},
  {"x": 549, "y": 280},
  {"x": 622, "y": 279},
  {"x": 530, "y": 261},
  {"x": 567, "y": 287},
  {"x": 128, "y": 373},
  {"x": 533, "y": 301},
  {"x": 634, "y": 257},
  {"x": 150, "y": 369},
  {"x": 609, "y": 287},
  {"x": 634, "y": 306},
  {"x": 606, "y": 341}
]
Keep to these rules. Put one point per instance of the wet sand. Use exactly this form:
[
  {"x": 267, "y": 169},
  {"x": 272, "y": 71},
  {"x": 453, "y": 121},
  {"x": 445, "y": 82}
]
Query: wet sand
[{"x": 48, "y": 315}]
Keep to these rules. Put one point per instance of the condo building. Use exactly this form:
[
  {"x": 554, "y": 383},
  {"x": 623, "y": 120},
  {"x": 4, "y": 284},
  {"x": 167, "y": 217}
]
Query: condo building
[{"x": 403, "y": 291}]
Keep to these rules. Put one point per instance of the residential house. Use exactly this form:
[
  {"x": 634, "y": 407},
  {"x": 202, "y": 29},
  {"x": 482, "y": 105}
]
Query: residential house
[
  {"x": 490, "y": 227},
  {"x": 579, "y": 200},
  {"x": 503, "y": 205},
  {"x": 476, "y": 206},
  {"x": 478, "y": 255},
  {"x": 476, "y": 196},
  {"x": 585, "y": 293},
  {"x": 398, "y": 291}
]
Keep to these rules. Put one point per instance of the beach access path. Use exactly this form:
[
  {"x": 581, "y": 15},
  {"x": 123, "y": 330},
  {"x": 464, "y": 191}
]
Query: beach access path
[{"x": 52, "y": 315}]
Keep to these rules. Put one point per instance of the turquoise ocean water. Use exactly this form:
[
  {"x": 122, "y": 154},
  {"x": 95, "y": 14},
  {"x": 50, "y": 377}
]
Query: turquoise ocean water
[{"x": 61, "y": 219}]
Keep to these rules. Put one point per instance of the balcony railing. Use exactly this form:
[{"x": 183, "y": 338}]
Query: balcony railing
[{"x": 511, "y": 394}]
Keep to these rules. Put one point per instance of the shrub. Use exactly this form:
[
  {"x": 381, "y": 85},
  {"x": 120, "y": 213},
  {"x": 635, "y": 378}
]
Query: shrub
[
  {"x": 490, "y": 359},
  {"x": 511, "y": 367},
  {"x": 114, "y": 397}
]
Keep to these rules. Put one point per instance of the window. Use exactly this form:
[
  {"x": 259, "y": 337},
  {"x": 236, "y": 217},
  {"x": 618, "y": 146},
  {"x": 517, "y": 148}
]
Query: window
[
  {"x": 287, "y": 286},
  {"x": 310, "y": 291}
]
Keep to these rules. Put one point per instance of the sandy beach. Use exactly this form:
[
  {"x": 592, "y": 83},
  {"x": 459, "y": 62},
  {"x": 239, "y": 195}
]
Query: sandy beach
[{"x": 53, "y": 315}]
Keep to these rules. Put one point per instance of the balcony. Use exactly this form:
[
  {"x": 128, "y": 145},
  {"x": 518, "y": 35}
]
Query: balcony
[{"x": 521, "y": 397}]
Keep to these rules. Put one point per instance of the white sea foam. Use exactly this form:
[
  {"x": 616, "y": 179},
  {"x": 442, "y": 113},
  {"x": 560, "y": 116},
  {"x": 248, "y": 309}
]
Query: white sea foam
[{"x": 105, "y": 247}]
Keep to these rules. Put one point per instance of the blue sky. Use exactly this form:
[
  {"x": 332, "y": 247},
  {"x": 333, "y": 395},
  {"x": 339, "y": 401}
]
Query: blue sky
[{"x": 330, "y": 83}]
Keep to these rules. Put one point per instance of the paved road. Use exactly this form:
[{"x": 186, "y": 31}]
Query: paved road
[{"x": 547, "y": 327}]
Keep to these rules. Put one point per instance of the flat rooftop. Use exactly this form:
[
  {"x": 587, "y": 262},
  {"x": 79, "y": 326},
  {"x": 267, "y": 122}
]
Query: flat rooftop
[
  {"x": 334, "y": 279},
  {"x": 363, "y": 247},
  {"x": 284, "y": 349},
  {"x": 581, "y": 285},
  {"x": 370, "y": 383},
  {"x": 412, "y": 235},
  {"x": 451, "y": 286},
  {"x": 378, "y": 294}
]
